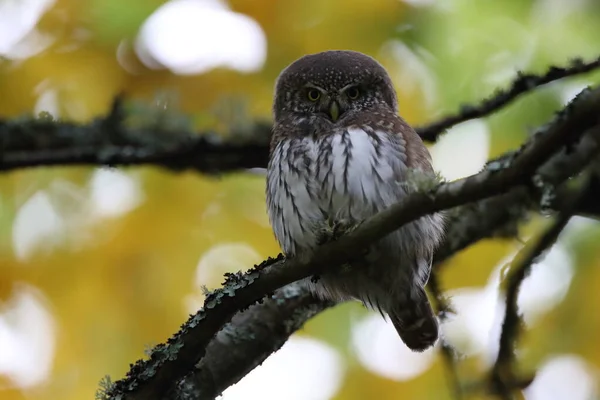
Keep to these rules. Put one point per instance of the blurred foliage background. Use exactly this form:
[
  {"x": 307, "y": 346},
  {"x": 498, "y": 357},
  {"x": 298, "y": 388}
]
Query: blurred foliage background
[{"x": 97, "y": 264}]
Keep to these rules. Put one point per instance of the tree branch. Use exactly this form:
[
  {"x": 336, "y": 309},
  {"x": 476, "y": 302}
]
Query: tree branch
[
  {"x": 503, "y": 376},
  {"x": 523, "y": 83},
  {"x": 247, "y": 341},
  {"x": 500, "y": 216},
  {"x": 152, "y": 378},
  {"x": 107, "y": 141},
  {"x": 446, "y": 351},
  {"x": 497, "y": 216},
  {"x": 111, "y": 141}
]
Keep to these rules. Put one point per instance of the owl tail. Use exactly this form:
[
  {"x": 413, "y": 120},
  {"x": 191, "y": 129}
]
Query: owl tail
[{"x": 415, "y": 321}]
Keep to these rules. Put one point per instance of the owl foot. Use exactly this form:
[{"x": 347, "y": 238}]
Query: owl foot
[
  {"x": 340, "y": 227},
  {"x": 334, "y": 229}
]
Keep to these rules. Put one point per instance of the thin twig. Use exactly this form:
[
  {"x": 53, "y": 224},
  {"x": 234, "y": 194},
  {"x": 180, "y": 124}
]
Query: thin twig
[
  {"x": 443, "y": 308},
  {"x": 503, "y": 377},
  {"x": 523, "y": 83}
]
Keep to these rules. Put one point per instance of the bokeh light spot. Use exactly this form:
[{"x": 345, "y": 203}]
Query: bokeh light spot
[
  {"x": 195, "y": 36},
  {"x": 303, "y": 369}
]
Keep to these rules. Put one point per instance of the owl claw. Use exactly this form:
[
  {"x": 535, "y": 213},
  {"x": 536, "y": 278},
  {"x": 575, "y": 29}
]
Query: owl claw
[
  {"x": 334, "y": 229},
  {"x": 341, "y": 227}
]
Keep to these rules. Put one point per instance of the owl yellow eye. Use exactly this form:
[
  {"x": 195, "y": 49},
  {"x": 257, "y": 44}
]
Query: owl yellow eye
[
  {"x": 314, "y": 95},
  {"x": 353, "y": 93}
]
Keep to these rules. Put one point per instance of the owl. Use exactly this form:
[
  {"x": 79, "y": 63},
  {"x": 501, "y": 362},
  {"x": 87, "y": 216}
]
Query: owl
[{"x": 339, "y": 154}]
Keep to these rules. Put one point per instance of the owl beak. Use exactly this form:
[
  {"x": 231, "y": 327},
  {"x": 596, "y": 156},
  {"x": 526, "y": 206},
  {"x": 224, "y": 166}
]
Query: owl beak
[{"x": 334, "y": 110}]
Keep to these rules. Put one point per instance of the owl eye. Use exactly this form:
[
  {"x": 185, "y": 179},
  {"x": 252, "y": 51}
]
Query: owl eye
[
  {"x": 353, "y": 93},
  {"x": 314, "y": 95}
]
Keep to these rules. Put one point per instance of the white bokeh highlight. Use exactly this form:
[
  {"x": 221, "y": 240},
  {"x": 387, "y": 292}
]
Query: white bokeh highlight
[
  {"x": 113, "y": 193},
  {"x": 63, "y": 213},
  {"x": 564, "y": 377},
  {"x": 462, "y": 151},
  {"x": 412, "y": 72},
  {"x": 47, "y": 100},
  {"x": 37, "y": 226},
  {"x": 547, "y": 286},
  {"x": 419, "y": 3},
  {"x": 18, "y": 37},
  {"x": 224, "y": 257},
  {"x": 303, "y": 369},
  {"x": 219, "y": 259},
  {"x": 478, "y": 315},
  {"x": 195, "y": 36},
  {"x": 556, "y": 11},
  {"x": 380, "y": 350},
  {"x": 27, "y": 338},
  {"x": 476, "y": 326},
  {"x": 502, "y": 65},
  {"x": 568, "y": 91}
]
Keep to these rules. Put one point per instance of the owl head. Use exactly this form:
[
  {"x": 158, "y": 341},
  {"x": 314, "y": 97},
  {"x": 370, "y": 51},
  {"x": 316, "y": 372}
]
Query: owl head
[{"x": 332, "y": 87}]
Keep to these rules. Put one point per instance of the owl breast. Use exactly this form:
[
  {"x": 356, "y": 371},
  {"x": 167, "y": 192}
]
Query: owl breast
[{"x": 347, "y": 175}]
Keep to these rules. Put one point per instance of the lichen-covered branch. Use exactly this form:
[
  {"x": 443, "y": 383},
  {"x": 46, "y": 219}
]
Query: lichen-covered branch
[
  {"x": 113, "y": 141},
  {"x": 152, "y": 378},
  {"x": 245, "y": 342},
  {"x": 500, "y": 216},
  {"x": 470, "y": 223},
  {"x": 523, "y": 83},
  {"x": 503, "y": 378}
]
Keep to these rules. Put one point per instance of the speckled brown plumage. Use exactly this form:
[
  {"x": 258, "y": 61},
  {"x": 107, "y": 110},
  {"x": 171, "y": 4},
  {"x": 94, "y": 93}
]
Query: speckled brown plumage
[{"x": 339, "y": 154}]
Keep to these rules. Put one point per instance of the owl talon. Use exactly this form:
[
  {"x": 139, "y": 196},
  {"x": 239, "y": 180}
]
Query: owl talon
[
  {"x": 335, "y": 229},
  {"x": 341, "y": 227}
]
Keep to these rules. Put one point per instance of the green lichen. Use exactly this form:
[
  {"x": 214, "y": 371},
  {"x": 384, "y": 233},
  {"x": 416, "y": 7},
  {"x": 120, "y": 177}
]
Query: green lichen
[
  {"x": 171, "y": 352},
  {"x": 418, "y": 180},
  {"x": 548, "y": 193},
  {"x": 105, "y": 386},
  {"x": 502, "y": 162},
  {"x": 149, "y": 349}
]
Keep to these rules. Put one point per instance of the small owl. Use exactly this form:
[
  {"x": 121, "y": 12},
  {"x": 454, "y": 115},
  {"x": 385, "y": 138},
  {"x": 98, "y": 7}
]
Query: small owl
[{"x": 339, "y": 154}]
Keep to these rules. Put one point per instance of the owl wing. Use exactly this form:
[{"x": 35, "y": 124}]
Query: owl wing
[
  {"x": 292, "y": 198},
  {"x": 429, "y": 228}
]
